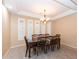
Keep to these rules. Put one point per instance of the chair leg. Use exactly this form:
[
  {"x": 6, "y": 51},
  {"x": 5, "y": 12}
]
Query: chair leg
[
  {"x": 45, "y": 49},
  {"x": 26, "y": 52},
  {"x": 37, "y": 51},
  {"x": 34, "y": 50},
  {"x": 29, "y": 52},
  {"x": 58, "y": 46},
  {"x": 52, "y": 47}
]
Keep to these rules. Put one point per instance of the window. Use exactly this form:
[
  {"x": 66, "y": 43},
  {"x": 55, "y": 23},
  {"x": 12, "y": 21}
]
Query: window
[
  {"x": 21, "y": 28},
  {"x": 37, "y": 27},
  {"x": 49, "y": 28},
  {"x": 29, "y": 29},
  {"x": 43, "y": 28}
]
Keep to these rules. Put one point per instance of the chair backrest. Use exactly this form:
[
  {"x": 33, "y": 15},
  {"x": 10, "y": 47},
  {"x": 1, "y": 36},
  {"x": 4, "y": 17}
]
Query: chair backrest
[
  {"x": 41, "y": 42},
  {"x": 52, "y": 41},
  {"x": 26, "y": 41},
  {"x": 50, "y": 37},
  {"x": 34, "y": 37},
  {"x": 47, "y": 34},
  {"x": 58, "y": 35}
]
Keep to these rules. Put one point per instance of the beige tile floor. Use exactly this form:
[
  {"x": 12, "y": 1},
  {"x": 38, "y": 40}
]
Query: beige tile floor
[{"x": 64, "y": 52}]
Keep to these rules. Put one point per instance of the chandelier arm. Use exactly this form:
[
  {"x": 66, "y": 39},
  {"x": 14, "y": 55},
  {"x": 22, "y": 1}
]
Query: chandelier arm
[{"x": 44, "y": 19}]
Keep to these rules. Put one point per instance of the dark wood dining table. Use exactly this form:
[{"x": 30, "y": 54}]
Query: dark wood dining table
[{"x": 44, "y": 37}]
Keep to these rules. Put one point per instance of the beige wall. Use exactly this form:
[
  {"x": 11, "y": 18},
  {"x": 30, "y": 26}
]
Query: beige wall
[
  {"x": 14, "y": 31},
  {"x": 5, "y": 31},
  {"x": 67, "y": 27}
]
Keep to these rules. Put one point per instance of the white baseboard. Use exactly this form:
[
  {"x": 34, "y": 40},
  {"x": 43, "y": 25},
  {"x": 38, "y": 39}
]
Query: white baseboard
[
  {"x": 69, "y": 45},
  {"x": 18, "y": 45},
  {"x": 5, "y": 55}
]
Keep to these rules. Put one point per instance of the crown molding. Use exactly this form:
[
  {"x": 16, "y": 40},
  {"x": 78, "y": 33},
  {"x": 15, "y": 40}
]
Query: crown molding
[
  {"x": 66, "y": 13},
  {"x": 69, "y": 12},
  {"x": 23, "y": 13},
  {"x": 29, "y": 14}
]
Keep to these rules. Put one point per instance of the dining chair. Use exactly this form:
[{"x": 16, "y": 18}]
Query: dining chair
[
  {"x": 58, "y": 35},
  {"x": 41, "y": 45},
  {"x": 55, "y": 41},
  {"x": 29, "y": 46},
  {"x": 58, "y": 40},
  {"x": 52, "y": 44}
]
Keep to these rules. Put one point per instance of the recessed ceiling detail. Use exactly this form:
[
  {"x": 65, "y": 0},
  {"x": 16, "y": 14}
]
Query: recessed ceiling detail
[
  {"x": 35, "y": 8},
  {"x": 68, "y": 3}
]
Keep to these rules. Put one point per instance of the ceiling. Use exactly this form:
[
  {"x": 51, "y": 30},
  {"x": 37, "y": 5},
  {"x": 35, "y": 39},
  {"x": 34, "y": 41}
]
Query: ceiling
[{"x": 35, "y": 8}]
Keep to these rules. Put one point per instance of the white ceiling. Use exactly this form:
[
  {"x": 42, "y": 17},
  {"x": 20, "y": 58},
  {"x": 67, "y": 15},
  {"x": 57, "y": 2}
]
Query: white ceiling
[{"x": 35, "y": 8}]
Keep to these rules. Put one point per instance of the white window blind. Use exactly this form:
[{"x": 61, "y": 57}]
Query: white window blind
[
  {"x": 49, "y": 28},
  {"x": 29, "y": 29},
  {"x": 37, "y": 27},
  {"x": 43, "y": 28},
  {"x": 21, "y": 28}
]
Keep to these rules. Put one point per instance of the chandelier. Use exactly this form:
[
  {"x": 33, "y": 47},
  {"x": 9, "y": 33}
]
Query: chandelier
[{"x": 44, "y": 19}]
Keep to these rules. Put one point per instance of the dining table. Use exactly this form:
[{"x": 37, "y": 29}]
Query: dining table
[{"x": 41, "y": 37}]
